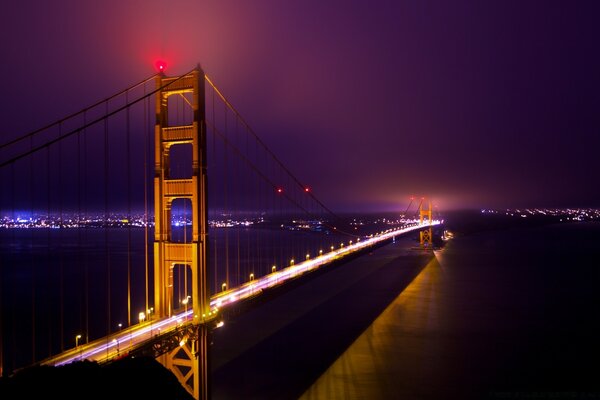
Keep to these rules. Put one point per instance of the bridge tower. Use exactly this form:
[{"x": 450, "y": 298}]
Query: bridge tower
[
  {"x": 426, "y": 235},
  {"x": 189, "y": 360}
]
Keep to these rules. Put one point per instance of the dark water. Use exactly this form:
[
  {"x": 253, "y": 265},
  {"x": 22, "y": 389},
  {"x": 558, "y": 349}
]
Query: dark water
[
  {"x": 58, "y": 283},
  {"x": 505, "y": 312},
  {"x": 523, "y": 304},
  {"x": 510, "y": 313}
]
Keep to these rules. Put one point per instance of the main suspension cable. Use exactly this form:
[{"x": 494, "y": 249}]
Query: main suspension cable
[
  {"x": 263, "y": 144},
  {"x": 95, "y": 121},
  {"x": 68, "y": 117}
]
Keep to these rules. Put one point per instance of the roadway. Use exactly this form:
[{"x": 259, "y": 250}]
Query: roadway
[{"x": 119, "y": 343}]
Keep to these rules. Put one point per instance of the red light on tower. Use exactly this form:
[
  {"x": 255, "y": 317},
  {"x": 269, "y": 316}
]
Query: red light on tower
[
  {"x": 161, "y": 66},
  {"x": 279, "y": 190},
  {"x": 307, "y": 189}
]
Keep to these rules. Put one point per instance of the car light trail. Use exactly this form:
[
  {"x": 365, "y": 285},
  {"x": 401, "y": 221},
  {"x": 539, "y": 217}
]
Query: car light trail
[{"x": 119, "y": 343}]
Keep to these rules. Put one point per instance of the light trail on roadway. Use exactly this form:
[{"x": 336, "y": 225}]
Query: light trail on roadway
[{"x": 119, "y": 343}]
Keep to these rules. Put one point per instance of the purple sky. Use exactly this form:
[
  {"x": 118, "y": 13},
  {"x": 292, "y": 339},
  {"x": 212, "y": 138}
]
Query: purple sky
[{"x": 477, "y": 104}]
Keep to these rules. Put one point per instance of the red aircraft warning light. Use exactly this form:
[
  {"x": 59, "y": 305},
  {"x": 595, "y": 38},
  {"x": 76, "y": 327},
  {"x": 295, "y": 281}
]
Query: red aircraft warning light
[
  {"x": 307, "y": 189},
  {"x": 161, "y": 66},
  {"x": 279, "y": 190}
]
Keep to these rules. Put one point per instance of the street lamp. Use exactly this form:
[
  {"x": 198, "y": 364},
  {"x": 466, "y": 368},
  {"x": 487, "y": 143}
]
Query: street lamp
[
  {"x": 320, "y": 252},
  {"x": 224, "y": 287},
  {"x": 292, "y": 261},
  {"x": 307, "y": 256},
  {"x": 251, "y": 277},
  {"x": 185, "y": 303},
  {"x": 141, "y": 317},
  {"x": 150, "y": 312},
  {"x": 77, "y": 344},
  {"x": 273, "y": 268}
]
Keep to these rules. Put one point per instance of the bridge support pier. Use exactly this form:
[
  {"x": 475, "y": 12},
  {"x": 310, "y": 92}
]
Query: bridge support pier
[
  {"x": 189, "y": 362},
  {"x": 426, "y": 235}
]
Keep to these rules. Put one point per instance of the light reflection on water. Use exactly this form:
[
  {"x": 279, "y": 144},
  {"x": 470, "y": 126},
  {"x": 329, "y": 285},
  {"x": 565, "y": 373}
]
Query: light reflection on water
[
  {"x": 506, "y": 311},
  {"x": 371, "y": 366}
]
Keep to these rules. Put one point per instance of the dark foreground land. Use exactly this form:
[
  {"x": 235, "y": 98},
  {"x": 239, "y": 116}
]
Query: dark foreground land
[{"x": 138, "y": 378}]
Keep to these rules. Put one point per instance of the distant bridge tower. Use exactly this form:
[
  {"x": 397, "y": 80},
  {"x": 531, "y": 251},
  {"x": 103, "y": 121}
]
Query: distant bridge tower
[
  {"x": 426, "y": 235},
  {"x": 189, "y": 360}
]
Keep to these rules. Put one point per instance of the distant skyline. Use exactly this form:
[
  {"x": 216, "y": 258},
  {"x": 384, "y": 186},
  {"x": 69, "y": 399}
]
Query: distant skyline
[{"x": 475, "y": 104}]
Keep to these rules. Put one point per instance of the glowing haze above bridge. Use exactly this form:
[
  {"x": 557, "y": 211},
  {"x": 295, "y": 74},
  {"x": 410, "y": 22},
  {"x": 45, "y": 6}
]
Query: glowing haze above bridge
[{"x": 501, "y": 96}]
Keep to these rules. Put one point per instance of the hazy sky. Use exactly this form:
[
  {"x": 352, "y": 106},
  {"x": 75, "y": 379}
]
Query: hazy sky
[{"x": 476, "y": 103}]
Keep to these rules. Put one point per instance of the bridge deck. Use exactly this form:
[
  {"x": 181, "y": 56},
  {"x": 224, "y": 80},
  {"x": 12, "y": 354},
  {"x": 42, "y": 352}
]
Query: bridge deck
[{"x": 120, "y": 343}]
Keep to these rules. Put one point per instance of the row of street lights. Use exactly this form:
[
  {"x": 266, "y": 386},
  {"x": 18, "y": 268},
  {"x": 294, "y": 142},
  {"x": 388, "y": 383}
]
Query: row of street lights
[
  {"x": 292, "y": 262},
  {"x": 142, "y": 316}
]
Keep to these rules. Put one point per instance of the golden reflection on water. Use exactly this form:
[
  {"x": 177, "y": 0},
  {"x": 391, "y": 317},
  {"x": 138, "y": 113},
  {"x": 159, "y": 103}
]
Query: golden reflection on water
[{"x": 395, "y": 348}]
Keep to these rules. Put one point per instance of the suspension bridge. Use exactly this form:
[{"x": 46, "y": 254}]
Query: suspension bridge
[{"x": 129, "y": 227}]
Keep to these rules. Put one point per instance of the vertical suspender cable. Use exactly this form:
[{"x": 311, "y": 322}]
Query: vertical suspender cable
[
  {"x": 48, "y": 304},
  {"x": 146, "y": 144},
  {"x": 249, "y": 206},
  {"x": 2, "y": 291},
  {"x": 289, "y": 219},
  {"x": 185, "y": 226},
  {"x": 60, "y": 244},
  {"x": 86, "y": 314},
  {"x": 79, "y": 242},
  {"x": 261, "y": 209},
  {"x": 185, "y": 260},
  {"x": 256, "y": 196},
  {"x": 266, "y": 213},
  {"x": 281, "y": 220},
  {"x": 214, "y": 152},
  {"x": 13, "y": 291},
  {"x": 32, "y": 262},
  {"x": 106, "y": 246},
  {"x": 237, "y": 207},
  {"x": 172, "y": 172},
  {"x": 213, "y": 164},
  {"x": 128, "y": 161},
  {"x": 225, "y": 199}
]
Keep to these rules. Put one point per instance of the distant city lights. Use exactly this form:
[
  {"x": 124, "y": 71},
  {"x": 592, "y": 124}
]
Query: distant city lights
[
  {"x": 28, "y": 220},
  {"x": 559, "y": 214}
]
